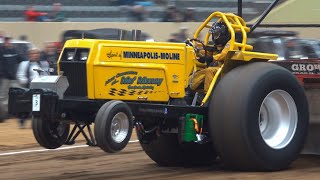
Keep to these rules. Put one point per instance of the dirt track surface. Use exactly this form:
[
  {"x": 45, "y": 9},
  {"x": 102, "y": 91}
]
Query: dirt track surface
[{"x": 131, "y": 163}]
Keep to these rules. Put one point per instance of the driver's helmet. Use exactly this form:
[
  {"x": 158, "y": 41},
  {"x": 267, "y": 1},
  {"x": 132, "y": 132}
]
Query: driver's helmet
[{"x": 220, "y": 33}]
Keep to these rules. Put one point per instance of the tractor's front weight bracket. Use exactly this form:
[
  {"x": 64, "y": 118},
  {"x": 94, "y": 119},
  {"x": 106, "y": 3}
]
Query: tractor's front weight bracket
[
  {"x": 73, "y": 135},
  {"x": 146, "y": 135}
]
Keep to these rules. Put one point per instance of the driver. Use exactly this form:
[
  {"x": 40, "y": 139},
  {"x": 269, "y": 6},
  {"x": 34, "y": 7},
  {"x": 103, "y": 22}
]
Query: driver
[{"x": 220, "y": 37}]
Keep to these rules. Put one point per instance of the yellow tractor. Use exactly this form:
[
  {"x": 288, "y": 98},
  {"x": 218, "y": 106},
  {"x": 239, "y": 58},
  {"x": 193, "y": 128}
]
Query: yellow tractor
[{"x": 253, "y": 117}]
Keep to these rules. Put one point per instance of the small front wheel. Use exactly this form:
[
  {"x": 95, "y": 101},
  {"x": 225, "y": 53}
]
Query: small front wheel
[
  {"x": 113, "y": 126},
  {"x": 48, "y": 134}
]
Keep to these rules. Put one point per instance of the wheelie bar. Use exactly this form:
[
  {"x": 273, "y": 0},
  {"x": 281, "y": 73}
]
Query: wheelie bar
[{"x": 73, "y": 135}]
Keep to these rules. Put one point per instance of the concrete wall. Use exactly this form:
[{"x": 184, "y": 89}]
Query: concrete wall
[{"x": 42, "y": 32}]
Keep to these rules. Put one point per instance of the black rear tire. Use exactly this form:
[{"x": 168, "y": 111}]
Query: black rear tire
[
  {"x": 165, "y": 150},
  {"x": 103, "y": 126},
  {"x": 50, "y": 135},
  {"x": 234, "y": 118}
]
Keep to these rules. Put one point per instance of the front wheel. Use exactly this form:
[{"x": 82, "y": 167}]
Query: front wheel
[
  {"x": 258, "y": 118},
  {"x": 50, "y": 135},
  {"x": 113, "y": 126}
]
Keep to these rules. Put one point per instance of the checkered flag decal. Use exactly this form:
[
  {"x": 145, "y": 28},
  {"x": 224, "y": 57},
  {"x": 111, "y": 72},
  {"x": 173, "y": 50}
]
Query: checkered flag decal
[
  {"x": 122, "y": 92},
  {"x": 112, "y": 91},
  {"x": 132, "y": 92}
]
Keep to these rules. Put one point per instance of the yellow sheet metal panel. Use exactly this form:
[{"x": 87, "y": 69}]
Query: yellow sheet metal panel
[
  {"x": 76, "y": 43},
  {"x": 90, "y": 71},
  {"x": 90, "y": 44},
  {"x": 248, "y": 56},
  {"x": 133, "y": 52},
  {"x": 84, "y": 43},
  {"x": 125, "y": 83},
  {"x": 146, "y": 59},
  {"x": 152, "y": 62},
  {"x": 190, "y": 63},
  {"x": 177, "y": 80}
]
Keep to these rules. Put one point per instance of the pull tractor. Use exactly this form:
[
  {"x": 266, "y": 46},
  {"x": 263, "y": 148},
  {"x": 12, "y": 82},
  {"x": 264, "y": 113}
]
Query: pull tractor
[{"x": 253, "y": 117}]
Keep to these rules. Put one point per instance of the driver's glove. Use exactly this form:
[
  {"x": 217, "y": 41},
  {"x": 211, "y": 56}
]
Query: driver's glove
[
  {"x": 213, "y": 64},
  {"x": 212, "y": 49},
  {"x": 206, "y": 59},
  {"x": 188, "y": 42}
]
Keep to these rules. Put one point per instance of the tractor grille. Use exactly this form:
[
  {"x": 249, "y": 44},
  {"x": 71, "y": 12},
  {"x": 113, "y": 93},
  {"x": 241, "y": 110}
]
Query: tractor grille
[{"x": 73, "y": 65}]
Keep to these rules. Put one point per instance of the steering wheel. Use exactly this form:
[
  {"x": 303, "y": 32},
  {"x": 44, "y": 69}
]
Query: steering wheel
[{"x": 196, "y": 47}]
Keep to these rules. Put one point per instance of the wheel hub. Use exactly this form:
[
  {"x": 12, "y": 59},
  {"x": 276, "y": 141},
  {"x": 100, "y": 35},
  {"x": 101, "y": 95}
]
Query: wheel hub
[
  {"x": 278, "y": 118},
  {"x": 119, "y": 127}
]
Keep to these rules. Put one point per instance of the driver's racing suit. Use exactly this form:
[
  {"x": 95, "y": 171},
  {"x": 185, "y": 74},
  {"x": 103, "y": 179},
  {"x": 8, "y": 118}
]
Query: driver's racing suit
[{"x": 206, "y": 75}]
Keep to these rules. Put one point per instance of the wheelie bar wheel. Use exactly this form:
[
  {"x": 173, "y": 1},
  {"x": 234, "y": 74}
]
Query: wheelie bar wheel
[{"x": 113, "y": 126}]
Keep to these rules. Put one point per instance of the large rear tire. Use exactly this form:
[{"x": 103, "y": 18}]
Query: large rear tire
[
  {"x": 50, "y": 135},
  {"x": 258, "y": 118},
  {"x": 165, "y": 150}
]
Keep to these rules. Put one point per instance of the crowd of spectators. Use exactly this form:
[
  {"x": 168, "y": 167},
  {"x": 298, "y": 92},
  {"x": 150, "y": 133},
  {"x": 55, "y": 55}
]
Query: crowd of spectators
[
  {"x": 55, "y": 15},
  {"x": 137, "y": 11},
  {"x": 17, "y": 69},
  {"x": 172, "y": 14}
]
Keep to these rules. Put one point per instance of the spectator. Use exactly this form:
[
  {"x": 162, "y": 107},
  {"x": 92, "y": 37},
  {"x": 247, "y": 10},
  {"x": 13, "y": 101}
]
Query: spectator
[
  {"x": 161, "y": 2},
  {"x": 182, "y": 34},
  {"x": 174, "y": 37},
  {"x": 170, "y": 14},
  {"x": 189, "y": 15},
  {"x": 2, "y": 34},
  {"x": 23, "y": 37},
  {"x": 178, "y": 16},
  {"x": 9, "y": 61},
  {"x": 58, "y": 46},
  {"x": 56, "y": 14},
  {"x": 26, "y": 73},
  {"x": 32, "y": 15},
  {"x": 51, "y": 56},
  {"x": 138, "y": 13},
  {"x": 124, "y": 2},
  {"x": 292, "y": 50},
  {"x": 23, "y": 47},
  {"x": 3, "y": 114}
]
